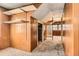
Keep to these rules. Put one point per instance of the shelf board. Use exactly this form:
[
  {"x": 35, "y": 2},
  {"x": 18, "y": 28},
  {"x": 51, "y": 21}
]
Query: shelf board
[
  {"x": 58, "y": 22},
  {"x": 15, "y": 22},
  {"x": 14, "y": 11}
]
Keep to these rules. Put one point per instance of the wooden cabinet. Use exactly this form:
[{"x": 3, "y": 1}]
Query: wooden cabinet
[
  {"x": 69, "y": 35},
  {"x": 18, "y": 36},
  {"x": 34, "y": 35},
  {"x": 18, "y": 32},
  {"x": 23, "y": 35},
  {"x": 71, "y": 39}
]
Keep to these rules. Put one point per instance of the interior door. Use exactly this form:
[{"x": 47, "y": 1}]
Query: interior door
[{"x": 33, "y": 33}]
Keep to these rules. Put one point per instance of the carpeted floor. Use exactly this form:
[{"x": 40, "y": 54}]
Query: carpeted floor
[{"x": 46, "y": 48}]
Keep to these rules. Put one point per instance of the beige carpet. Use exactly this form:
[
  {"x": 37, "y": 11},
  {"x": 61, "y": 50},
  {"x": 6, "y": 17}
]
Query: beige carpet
[{"x": 46, "y": 48}]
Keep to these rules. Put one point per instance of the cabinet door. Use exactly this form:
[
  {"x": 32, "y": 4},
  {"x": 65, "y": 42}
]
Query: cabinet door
[
  {"x": 4, "y": 36},
  {"x": 4, "y": 30},
  {"x": 33, "y": 35},
  {"x": 18, "y": 36}
]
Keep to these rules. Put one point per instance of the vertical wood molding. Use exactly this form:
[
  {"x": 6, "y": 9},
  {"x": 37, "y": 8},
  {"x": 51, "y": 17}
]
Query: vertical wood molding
[{"x": 45, "y": 32}]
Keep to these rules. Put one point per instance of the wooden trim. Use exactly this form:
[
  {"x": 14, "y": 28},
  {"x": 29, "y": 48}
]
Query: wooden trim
[
  {"x": 14, "y": 11},
  {"x": 15, "y": 21},
  {"x": 59, "y": 22}
]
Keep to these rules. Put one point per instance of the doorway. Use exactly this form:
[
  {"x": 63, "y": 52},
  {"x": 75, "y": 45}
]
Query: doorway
[{"x": 39, "y": 32}]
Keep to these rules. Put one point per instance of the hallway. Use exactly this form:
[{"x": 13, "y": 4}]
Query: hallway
[
  {"x": 46, "y": 48},
  {"x": 39, "y": 29}
]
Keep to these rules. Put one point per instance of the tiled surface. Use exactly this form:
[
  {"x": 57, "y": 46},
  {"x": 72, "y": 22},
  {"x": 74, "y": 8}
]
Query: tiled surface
[{"x": 46, "y": 48}]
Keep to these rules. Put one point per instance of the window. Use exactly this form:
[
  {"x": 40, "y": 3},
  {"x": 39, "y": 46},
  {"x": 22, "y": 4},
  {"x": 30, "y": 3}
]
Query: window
[{"x": 54, "y": 27}]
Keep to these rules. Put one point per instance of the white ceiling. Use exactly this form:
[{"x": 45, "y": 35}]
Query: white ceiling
[
  {"x": 44, "y": 9},
  {"x": 56, "y": 6},
  {"x": 41, "y": 12},
  {"x": 13, "y": 5}
]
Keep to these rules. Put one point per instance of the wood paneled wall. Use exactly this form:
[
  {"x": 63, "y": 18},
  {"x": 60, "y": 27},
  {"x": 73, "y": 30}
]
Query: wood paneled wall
[
  {"x": 76, "y": 28},
  {"x": 71, "y": 40},
  {"x": 4, "y": 30},
  {"x": 21, "y": 34},
  {"x": 18, "y": 32}
]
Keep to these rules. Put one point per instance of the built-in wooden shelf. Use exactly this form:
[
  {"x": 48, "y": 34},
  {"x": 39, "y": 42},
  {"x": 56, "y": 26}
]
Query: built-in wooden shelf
[
  {"x": 15, "y": 21},
  {"x": 20, "y": 10},
  {"x": 14, "y": 11}
]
